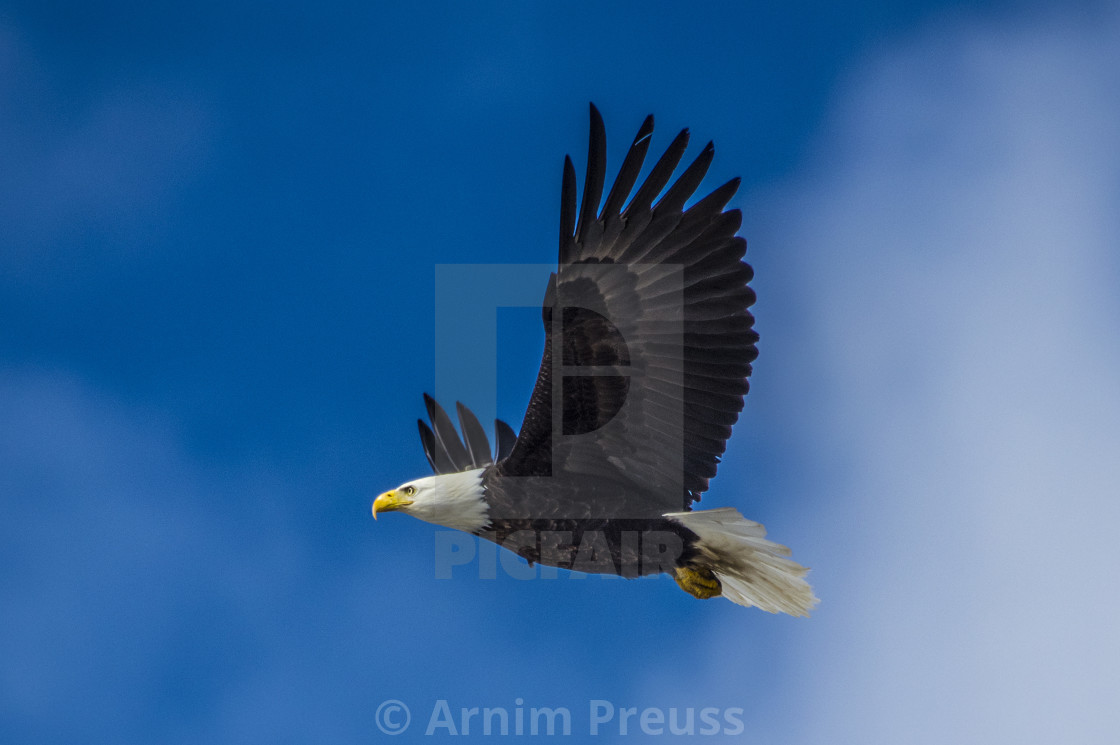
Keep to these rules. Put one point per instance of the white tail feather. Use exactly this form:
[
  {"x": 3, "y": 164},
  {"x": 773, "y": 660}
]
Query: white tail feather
[{"x": 753, "y": 570}]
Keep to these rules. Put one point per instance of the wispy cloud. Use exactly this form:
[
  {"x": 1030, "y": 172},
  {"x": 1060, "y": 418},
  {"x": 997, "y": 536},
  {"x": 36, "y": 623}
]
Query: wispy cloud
[
  {"x": 157, "y": 595},
  {"x": 128, "y": 572},
  {"x": 956, "y": 274}
]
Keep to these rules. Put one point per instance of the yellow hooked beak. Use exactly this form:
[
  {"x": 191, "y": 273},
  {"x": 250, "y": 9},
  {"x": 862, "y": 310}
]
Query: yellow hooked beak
[{"x": 389, "y": 501}]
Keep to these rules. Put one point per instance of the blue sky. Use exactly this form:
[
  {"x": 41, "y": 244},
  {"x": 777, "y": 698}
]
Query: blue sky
[{"x": 219, "y": 232}]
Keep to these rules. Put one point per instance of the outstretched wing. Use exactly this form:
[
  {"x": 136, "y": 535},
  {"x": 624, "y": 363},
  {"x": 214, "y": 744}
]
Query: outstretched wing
[
  {"x": 649, "y": 340},
  {"x": 447, "y": 452}
]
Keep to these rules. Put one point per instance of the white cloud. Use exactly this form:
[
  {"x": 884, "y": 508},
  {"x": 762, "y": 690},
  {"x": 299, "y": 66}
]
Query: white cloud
[
  {"x": 951, "y": 254},
  {"x": 960, "y": 262}
]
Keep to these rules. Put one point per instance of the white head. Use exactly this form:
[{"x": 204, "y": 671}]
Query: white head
[{"x": 453, "y": 500}]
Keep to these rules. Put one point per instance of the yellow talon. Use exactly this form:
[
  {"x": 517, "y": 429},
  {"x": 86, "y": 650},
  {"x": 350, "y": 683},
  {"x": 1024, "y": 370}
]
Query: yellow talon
[{"x": 699, "y": 582}]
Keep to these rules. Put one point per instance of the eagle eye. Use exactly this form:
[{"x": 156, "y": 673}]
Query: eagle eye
[{"x": 409, "y": 491}]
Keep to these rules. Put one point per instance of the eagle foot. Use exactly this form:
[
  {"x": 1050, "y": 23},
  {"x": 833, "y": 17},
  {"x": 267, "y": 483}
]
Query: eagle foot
[{"x": 700, "y": 582}]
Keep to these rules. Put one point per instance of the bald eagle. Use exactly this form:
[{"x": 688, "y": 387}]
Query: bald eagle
[{"x": 648, "y": 347}]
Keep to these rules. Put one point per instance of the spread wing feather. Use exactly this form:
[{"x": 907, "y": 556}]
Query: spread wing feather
[
  {"x": 648, "y": 337},
  {"x": 474, "y": 436},
  {"x": 506, "y": 438},
  {"x": 447, "y": 452}
]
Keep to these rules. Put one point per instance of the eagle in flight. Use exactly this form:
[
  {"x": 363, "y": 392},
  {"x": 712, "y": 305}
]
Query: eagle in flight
[{"x": 648, "y": 347}]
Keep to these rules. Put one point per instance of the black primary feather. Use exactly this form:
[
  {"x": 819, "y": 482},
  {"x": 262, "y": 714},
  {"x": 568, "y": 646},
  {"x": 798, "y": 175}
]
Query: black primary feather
[
  {"x": 447, "y": 453},
  {"x": 596, "y": 175},
  {"x": 506, "y": 439},
  {"x": 628, "y": 174},
  {"x": 474, "y": 436},
  {"x": 447, "y": 438}
]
